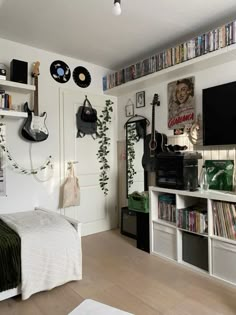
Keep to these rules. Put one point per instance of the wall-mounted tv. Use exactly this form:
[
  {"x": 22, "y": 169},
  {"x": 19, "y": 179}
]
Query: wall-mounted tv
[{"x": 219, "y": 114}]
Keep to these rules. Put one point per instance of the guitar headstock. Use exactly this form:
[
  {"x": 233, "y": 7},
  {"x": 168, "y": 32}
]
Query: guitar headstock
[
  {"x": 35, "y": 71},
  {"x": 155, "y": 100}
]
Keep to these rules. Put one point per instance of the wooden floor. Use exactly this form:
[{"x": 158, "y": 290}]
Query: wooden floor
[{"x": 118, "y": 274}]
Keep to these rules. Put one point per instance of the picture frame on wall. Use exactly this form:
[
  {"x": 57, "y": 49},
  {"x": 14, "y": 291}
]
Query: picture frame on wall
[
  {"x": 129, "y": 110},
  {"x": 140, "y": 99}
]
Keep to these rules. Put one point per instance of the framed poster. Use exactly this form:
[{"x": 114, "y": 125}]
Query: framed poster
[
  {"x": 140, "y": 99},
  {"x": 129, "y": 110},
  {"x": 181, "y": 103}
]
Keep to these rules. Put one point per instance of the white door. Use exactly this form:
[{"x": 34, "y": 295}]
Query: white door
[{"x": 96, "y": 212}]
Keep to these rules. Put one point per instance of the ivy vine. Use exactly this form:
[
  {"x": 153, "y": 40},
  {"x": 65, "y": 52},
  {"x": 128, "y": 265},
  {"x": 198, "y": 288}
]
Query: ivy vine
[
  {"x": 104, "y": 143},
  {"x": 131, "y": 140},
  {"x": 12, "y": 162}
]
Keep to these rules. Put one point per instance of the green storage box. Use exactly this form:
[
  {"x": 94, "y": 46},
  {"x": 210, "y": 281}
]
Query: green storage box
[{"x": 139, "y": 202}]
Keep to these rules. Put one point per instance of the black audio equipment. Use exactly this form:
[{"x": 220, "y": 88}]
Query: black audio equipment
[
  {"x": 178, "y": 170},
  {"x": 19, "y": 71}
]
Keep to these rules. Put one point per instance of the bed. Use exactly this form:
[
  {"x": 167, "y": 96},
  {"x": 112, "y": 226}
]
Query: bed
[{"x": 50, "y": 251}]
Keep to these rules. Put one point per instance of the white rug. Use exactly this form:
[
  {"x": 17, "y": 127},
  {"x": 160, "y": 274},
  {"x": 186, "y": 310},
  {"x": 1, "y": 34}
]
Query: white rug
[{"x": 91, "y": 307}]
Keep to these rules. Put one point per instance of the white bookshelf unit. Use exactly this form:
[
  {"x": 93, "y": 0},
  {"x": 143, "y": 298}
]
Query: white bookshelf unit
[
  {"x": 203, "y": 251},
  {"x": 15, "y": 87},
  {"x": 12, "y": 113}
]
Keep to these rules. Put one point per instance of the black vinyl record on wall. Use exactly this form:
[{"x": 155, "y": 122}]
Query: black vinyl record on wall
[
  {"x": 82, "y": 77},
  {"x": 60, "y": 71}
]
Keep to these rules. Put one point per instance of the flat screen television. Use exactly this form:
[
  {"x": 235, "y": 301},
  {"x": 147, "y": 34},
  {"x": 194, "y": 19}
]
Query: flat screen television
[{"x": 219, "y": 114}]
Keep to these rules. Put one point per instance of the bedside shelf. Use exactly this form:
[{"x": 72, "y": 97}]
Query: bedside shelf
[
  {"x": 13, "y": 113},
  {"x": 16, "y": 87}
]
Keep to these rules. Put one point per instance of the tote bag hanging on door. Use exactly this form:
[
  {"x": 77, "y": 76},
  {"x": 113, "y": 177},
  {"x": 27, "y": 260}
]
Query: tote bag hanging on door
[{"x": 71, "y": 190}]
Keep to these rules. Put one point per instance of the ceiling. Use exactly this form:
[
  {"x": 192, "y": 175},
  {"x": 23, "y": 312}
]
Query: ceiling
[{"x": 87, "y": 30}]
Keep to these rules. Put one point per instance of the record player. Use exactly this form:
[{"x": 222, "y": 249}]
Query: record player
[{"x": 178, "y": 170}]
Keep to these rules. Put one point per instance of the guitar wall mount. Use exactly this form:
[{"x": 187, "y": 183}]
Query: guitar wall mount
[{"x": 60, "y": 71}]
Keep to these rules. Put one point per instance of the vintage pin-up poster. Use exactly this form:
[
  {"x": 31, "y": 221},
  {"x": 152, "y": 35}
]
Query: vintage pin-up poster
[
  {"x": 181, "y": 103},
  {"x": 2, "y": 162}
]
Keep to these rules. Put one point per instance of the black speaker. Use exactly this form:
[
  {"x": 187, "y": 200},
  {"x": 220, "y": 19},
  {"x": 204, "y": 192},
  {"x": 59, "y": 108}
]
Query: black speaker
[{"x": 19, "y": 71}]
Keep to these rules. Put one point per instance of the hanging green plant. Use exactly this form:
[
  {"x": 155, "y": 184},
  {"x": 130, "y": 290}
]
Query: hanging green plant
[
  {"x": 104, "y": 143},
  {"x": 131, "y": 140}
]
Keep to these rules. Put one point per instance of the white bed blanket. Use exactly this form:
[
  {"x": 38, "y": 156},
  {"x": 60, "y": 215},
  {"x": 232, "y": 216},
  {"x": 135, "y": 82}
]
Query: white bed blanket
[{"x": 50, "y": 250}]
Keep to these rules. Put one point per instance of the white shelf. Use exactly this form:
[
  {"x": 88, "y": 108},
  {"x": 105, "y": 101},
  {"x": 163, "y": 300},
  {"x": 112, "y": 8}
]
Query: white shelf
[
  {"x": 13, "y": 113},
  {"x": 167, "y": 240},
  {"x": 166, "y": 223},
  {"x": 223, "y": 239},
  {"x": 208, "y": 60},
  {"x": 16, "y": 87},
  {"x": 196, "y": 233},
  {"x": 208, "y": 194}
]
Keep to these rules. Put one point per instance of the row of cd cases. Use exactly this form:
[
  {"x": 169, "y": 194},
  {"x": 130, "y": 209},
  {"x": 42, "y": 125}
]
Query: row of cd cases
[{"x": 213, "y": 40}]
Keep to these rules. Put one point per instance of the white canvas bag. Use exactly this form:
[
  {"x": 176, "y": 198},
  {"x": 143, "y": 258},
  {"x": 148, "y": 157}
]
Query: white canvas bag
[{"x": 71, "y": 190}]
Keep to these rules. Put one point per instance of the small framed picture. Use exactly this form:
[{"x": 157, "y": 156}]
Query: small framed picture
[
  {"x": 140, "y": 99},
  {"x": 129, "y": 110}
]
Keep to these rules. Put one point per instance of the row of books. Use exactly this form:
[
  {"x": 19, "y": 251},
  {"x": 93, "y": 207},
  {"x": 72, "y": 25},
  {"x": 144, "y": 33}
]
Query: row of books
[
  {"x": 193, "y": 219},
  {"x": 210, "y": 41},
  {"x": 167, "y": 208},
  {"x": 224, "y": 219},
  {"x": 5, "y": 100}
]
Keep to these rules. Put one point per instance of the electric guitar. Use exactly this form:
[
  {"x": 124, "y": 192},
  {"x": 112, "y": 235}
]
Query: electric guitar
[
  {"x": 154, "y": 143},
  {"x": 34, "y": 128}
]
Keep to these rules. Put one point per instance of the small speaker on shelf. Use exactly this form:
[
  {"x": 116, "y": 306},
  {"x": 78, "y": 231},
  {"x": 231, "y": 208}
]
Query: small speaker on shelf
[
  {"x": 19, "y": 71},
  {"x": 3, "y": 72}
]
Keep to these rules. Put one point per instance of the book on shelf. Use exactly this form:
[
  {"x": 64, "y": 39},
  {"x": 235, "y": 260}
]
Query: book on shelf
[
  {"x": 5, "y": 100},
  {"x": 167, "y": 208},
  {"x": 224, "y": 219},
  {"x": 207, "y": 42},
  {"x": 193, "y": 219}
]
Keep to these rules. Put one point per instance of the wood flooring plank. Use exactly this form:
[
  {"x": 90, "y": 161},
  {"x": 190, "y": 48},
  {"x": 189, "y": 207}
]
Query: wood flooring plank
[
  {"x": 116, "y": 273},
  {"x": 59, "y": 301},
  {"x": 15, "y": 306},
  {"x": 123, "y": 299}
]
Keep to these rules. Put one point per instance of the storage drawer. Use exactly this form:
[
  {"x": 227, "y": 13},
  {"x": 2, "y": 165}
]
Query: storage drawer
[
  {"x": 195, "y": 250},
  {"x": 224, "y": 260},
  {"x": 164, "y": 240}
]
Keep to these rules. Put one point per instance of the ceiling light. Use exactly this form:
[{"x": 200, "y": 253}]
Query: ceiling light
[{"x": 116, "y": 8}]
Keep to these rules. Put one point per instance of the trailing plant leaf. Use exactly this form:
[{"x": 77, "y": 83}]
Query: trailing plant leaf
[
  {"x": 104, "y": 142},
  {"x": 131, "y": 140}
]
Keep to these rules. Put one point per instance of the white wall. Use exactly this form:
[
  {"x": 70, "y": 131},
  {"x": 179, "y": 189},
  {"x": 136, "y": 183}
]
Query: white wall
[
  {"x": 25, "y": 192},
  {"x": 209, "y": 77}
]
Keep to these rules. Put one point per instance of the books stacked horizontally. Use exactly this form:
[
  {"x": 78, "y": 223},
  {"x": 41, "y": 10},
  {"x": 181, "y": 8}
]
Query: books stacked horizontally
[
  {"x": 215, "y": 39},
  {"x": 5, "y": 100},
  {"x": 193, "y": 219},
  {"x": 224, "y": 219},
  {"x": 167, "y": 208}
]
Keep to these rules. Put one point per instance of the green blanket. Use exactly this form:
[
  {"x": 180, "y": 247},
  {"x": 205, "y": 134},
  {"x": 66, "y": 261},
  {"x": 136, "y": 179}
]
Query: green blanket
[{"x": 10, "y": 258}]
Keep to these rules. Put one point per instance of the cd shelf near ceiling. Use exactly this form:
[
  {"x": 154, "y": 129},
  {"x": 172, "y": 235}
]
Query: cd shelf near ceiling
[{"x": 208, "y": 49}]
